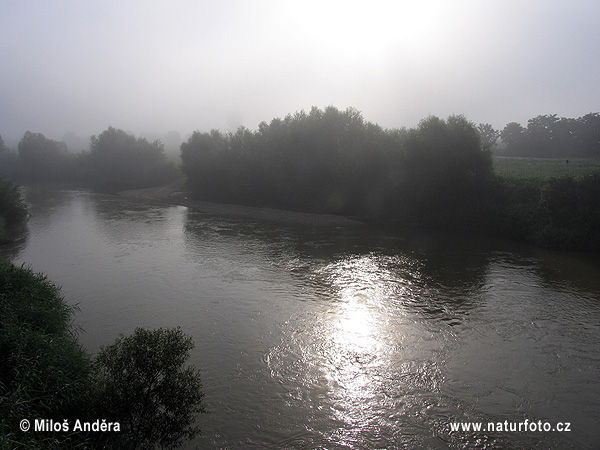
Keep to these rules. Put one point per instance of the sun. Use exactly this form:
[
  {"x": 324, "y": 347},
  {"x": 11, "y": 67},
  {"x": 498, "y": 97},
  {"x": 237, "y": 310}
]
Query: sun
[{"x": 363, "y": 29}]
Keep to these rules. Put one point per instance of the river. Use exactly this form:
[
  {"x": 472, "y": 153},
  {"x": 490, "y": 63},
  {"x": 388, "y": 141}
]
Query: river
[{"x": 336, "y": 337}]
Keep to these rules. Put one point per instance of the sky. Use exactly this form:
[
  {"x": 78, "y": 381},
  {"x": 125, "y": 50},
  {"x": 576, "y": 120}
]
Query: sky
[{"x": 151, "y": 66}]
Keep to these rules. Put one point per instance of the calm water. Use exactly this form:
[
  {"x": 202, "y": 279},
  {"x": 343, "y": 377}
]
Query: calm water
[{"x": 337, "y": 338}]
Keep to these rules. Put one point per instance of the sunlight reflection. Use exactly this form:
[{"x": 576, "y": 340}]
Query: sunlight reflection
[
  {"x": 355, "y": 328},
  {"x": 356, "y": 332}
]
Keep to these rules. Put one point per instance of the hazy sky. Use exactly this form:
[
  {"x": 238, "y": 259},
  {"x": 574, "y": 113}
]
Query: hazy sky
[{"x": 160, "y": 65}]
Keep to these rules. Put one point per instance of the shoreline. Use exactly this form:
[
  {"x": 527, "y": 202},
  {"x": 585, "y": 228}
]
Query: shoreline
[{"x": 174, "y": 193}]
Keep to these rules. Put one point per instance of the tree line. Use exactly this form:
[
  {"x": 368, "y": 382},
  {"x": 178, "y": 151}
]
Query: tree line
[
  {"x": 549, "y": 136},
  {"x": 115, "y": 161},
  {"x": 332, "y": 161},
  {"x": 437, "y": 174}
]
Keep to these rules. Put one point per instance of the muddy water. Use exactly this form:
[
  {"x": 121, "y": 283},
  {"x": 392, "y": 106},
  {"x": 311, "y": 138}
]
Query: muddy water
[{"x": 324, "y": 337}]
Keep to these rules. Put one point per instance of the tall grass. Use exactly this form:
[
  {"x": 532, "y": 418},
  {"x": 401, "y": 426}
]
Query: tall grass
[{"x": 43, "y": 369}]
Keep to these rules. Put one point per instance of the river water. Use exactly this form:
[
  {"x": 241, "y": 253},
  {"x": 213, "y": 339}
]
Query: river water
[{"x": 336, "y": 337}]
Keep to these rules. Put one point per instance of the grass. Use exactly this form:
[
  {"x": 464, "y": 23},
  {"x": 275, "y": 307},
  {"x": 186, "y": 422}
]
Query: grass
[{"x": 521, "y": 167}]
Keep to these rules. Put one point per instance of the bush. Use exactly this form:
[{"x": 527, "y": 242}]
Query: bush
[
  {"x": 146, "y": 388},
  {"x": 12, "y": 207}
]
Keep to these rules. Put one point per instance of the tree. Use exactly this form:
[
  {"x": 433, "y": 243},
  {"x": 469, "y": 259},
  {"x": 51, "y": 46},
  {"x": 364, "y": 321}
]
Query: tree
[
  {"x": 9, "y": 161},
  {"x": 12, "y": 207},
  {"x": 551, "y": 137},
  {"x": 446, "y": 175},
  {"x": 513, "y": 136},
  {"x": 145, "y": 386},
  {"x": 588, "y": 135},
  {"x": 488, "y": 135},
  {"x": 42, "y": 158},
  {"x": 119, "y": 161}
]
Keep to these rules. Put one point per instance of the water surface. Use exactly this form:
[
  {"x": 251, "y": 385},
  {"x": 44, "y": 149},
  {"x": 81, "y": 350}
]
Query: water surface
[{"x": 337, "y": 338}]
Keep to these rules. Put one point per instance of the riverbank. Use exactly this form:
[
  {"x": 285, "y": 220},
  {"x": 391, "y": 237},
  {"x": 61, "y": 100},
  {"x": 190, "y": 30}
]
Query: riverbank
[{"x": 175, "y": 193}]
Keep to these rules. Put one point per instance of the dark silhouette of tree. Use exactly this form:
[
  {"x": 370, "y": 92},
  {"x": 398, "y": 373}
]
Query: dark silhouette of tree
[
  {"x": 118, "y": 161},
  {"x": 43, "y": 159},
  {"x": 321, "y": 161},
  {"x": 548, "y": 136},
  {"x": 489, "y": 136},
  {"x": 447, "y": 175},
  {"x": 145, "y": 385},
  {"x": 513, "y": 137}
]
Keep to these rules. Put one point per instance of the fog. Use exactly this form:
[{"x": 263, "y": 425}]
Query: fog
[{"x": 156, "y": 66}]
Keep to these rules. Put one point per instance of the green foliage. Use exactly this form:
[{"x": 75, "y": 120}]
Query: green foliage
[
  {"x": 139, "y": 381},
  {"x": 447, "y": 175},
  {"x": 320, "y": 161},
  {"x": 439, "y": 174},
  {"x": 488, "y": 135},
  {"x": 116, "y": 161},
  {"x": 559, "y": 212},
  {"x": 146, "y": 387},
  {"x": 548, "y": 136},
  {"x": 119, "y": 161},
  {"x": 573, "y": 210},
  {"x": 42, "y": 159},
  {"x": 9, "y": 161},
  {"x": 12, "y": 208},
  {"x": 43, "y": 370},
  {"x": 335, "y": 162}
]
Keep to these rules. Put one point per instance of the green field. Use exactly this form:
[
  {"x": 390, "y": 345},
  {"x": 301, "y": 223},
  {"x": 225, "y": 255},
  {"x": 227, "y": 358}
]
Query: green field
[{"x": 513, "y": 166}]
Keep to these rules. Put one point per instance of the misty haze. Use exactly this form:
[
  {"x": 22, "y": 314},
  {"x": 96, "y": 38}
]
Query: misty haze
[{"x": 299, "y": 225}]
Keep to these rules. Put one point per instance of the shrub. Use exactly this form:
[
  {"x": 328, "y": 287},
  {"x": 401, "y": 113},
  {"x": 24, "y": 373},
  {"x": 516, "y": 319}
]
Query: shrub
[
  {"x": 146, "y": 388},
  {"x": 12, "y": 208}
]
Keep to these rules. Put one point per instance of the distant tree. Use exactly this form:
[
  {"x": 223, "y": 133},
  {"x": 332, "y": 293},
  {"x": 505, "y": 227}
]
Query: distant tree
[
  {"x": 119, "y": 161},
  {"x": 9, "y": 161},
  {"x": 551, "y": 136},
  {"x": 542, "y": 137},
  {"x": 446, "y": 174},
  {"x": 588, "y": 135},
  {"x": 488, "y": 135},
  {"x": 204, "y": 156},
  {"x": 513, "y": 137},
  {"x": 144, "y": 384},
  {"x": 42, "y": 158}
]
